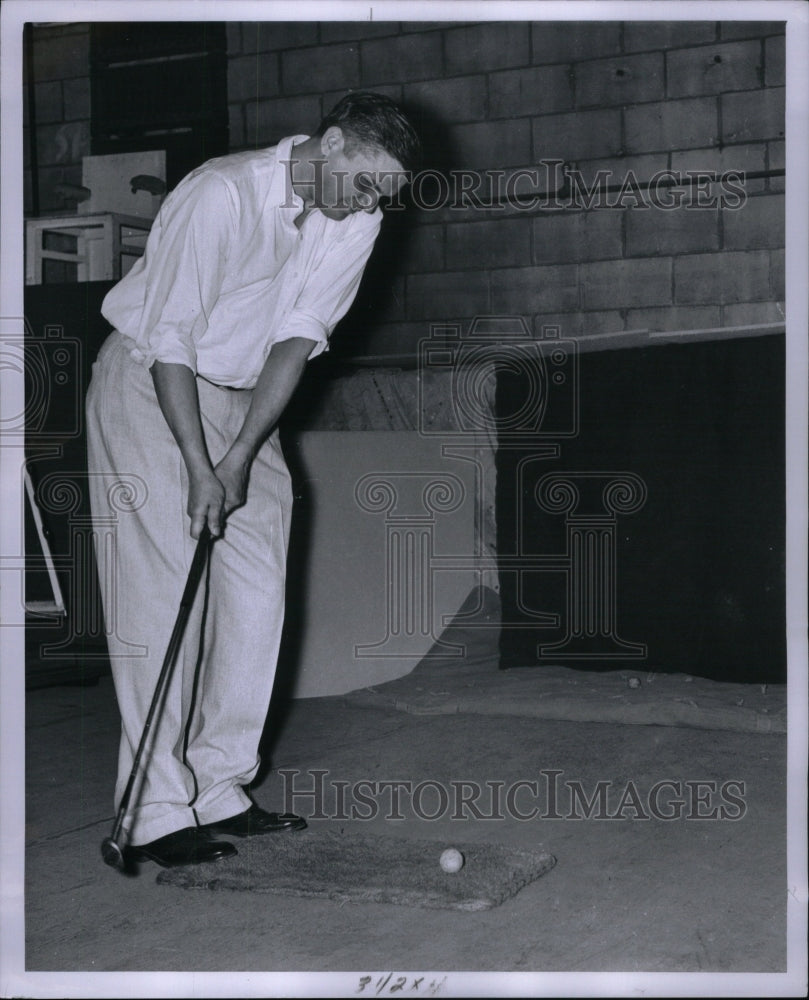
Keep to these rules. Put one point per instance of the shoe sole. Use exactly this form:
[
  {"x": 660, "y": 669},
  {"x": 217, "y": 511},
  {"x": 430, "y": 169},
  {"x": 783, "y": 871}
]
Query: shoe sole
[
  {"x": 132, "y": 855},
  {"x": 223, "y": 832}
]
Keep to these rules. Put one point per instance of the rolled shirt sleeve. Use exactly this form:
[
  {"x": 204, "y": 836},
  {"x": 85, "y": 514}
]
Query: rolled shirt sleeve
[
  {"x": 164, "y": 303},
  {"x": 331, "y": 286}
]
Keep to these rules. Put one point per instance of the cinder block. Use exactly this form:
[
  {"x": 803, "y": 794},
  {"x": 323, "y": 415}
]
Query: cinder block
[
  {"x": 236, "y": 128},
  {"x": 569, "y": 324},
  {"x": 488, "y": 244},
  {"x": 459, "y": 100},
  {"x": 267, "y": 122},
  {"x": 331, "y": 97},
  {"x": 570, "y": 41},
  {"x": 623, "y": 284},
  {"x": 326, "y": 67},
  {"x": 63, "y": 144},
  {"x": 421, "y": 251},
  {"x": 383, "y": 301},
  {"x": 674, "y": 318},
  {"x": 753, "y": 313},
  {"x": 597, "y": 321},
  {"x": 775, "y": 61},
  {"x": 627, "y": 80},
  {"x": 382, "y": 340},
  {"x": 61, "y": 57},
  {"x": 714, "y": 69},
  {"x": 739, "y": 159},
  {"x": 48, "y": 100},
  {"x": 269, "y": 36},
  {"x": 535, "y": 184},
  {"x": 49, "y": 177},
  {"x": 491, "y": 144},
  {"x": 750, "y": 29},
  {"x": 233, "y": 34},
  {"x": 776, "y": 161},
  {"x": 778, "y": 274},
  {"x": 753, "y": 115},
  {"x": 355, "y": 31},
  {"x": 403, "y": 338},
  {"x": 573, "y": 236},
  {"x": 722, "y": 278},
  {"x": 664, "y": 35},
  {"x": 402, "y": 58},
  {"x": 433, "y": 195},
  {"x": 672, "y": 125},
  {"x": 49, "y": 200},
  {"x": 531, "y": 91},
  {"x": 252, "y": 77},
  {"x": 589, "y": 178},
  {"x": 682, "y": 230},
  {"x": 482, "y": 47},
  {"x": 524, "y": 290},
  {"x": 582, "y": 135},
  {"x": 520, "y": 191},
  {"x": 759, "y": 223},
  {"x": 439, "y": 297},
  {"x": 76, "y": 95}
]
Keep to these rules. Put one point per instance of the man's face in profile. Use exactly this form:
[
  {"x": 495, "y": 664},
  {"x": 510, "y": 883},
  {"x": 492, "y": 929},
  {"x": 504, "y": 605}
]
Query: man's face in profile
[{"x": 352, "y": 178}]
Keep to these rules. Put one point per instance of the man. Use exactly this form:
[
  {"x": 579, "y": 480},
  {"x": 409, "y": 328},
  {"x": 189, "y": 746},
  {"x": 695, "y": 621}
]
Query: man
[{"x": 249, "y": 265}]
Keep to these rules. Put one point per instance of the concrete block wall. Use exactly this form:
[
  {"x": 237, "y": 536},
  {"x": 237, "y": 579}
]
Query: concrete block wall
[
  {"x": 612, "y": 97},
  {"x": 61, "y": 55}
]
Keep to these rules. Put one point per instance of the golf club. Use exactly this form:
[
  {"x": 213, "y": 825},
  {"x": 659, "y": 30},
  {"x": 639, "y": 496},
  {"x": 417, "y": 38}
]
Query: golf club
[{"x": 111, "y": 849}]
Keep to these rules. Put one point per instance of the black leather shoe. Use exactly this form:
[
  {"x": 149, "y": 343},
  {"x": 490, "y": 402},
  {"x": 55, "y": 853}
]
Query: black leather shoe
[
  {"x": 254, "y": 821},
  {"x": 191, "y": 846}
]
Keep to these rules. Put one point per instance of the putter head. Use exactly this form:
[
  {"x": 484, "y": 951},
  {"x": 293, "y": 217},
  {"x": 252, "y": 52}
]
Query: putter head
[{"x": 112, "y": 854}]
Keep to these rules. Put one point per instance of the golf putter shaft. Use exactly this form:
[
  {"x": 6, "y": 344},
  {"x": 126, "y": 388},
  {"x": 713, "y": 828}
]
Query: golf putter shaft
[{"x": 110, "y": 848}]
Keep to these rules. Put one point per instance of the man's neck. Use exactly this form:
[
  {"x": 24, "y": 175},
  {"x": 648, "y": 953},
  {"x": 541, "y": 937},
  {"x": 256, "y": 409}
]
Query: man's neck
[
  {"x": 303, "y": 173},
  {"x": 303, "y": 215}
]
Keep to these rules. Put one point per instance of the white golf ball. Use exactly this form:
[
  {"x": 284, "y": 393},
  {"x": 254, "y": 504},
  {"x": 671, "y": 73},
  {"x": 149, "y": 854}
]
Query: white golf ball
[{"x": 451, "y": 860}]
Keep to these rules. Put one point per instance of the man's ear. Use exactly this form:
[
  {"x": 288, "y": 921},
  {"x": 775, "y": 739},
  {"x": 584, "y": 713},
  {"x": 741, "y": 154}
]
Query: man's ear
[{"x": 332, "y": 140}]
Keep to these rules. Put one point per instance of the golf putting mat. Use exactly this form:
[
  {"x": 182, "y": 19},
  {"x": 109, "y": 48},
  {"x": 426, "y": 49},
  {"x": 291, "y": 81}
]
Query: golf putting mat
[{"x": 366, "y": 868}]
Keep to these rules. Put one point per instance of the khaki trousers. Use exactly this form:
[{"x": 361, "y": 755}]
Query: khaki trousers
[{"x": 203, "y": 743}]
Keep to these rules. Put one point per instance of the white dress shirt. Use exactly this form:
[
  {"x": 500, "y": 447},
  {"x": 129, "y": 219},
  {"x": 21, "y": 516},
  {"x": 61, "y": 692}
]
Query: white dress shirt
[{"x": 226, "y": 273}]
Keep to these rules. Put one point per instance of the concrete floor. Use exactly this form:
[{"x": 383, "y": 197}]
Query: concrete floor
[{"x": 626, "y": 896}]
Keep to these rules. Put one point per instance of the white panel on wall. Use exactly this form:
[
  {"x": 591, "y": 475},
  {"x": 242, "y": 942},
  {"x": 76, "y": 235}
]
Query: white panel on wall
[
  {"x": 389, "y": 553},
  {"x": 109, "y": 179}
]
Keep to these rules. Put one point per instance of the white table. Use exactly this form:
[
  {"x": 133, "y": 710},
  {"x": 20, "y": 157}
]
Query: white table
[{"x": 106, "y": 245}]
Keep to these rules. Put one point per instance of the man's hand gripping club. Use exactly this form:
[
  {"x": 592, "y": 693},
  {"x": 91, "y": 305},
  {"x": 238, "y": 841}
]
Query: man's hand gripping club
[{"x": 215, "y": 491}]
